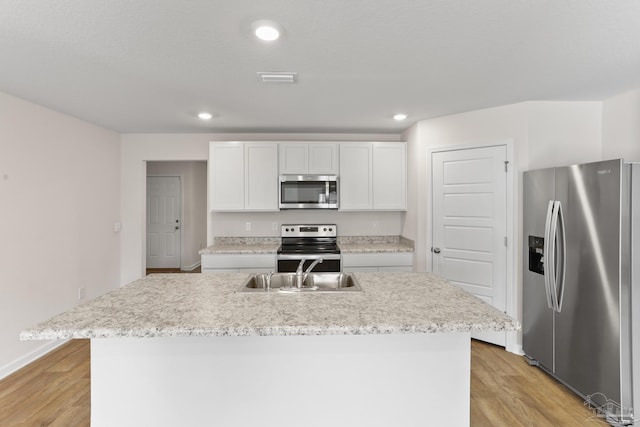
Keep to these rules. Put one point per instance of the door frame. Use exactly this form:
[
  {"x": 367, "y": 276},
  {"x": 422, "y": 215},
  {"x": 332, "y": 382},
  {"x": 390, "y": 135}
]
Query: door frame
[
  {"x": 513, "y": 291},
  {"x": 144, "y": 241}
]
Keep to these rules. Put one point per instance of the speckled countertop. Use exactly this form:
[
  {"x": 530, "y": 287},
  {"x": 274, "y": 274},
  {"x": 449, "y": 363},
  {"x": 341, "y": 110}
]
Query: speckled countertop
[
  {"x": 347, "y": 244},
  {"x": 374, "y": 244},
  {"x": 164, "y": 305},
  {"x": 243, "y": 245}
]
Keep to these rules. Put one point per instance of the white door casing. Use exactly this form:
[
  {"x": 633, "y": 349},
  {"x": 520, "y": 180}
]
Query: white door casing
[
  {"x": 469, "y": 214},
  {"x": 164, "y": 223}
]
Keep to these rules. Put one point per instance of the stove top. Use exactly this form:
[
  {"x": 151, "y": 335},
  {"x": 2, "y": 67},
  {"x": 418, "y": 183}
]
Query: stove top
[
  {"x": 309, "y": 239},
  {"x": 308, "y": 249}
]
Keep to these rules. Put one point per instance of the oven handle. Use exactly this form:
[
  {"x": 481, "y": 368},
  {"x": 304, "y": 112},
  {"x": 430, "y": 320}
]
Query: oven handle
[{"x": 298, "y": 257}]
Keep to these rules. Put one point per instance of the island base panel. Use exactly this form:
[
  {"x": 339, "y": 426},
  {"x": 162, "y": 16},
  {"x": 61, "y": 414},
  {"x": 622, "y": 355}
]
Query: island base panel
[{"x": 331, "y": 380}]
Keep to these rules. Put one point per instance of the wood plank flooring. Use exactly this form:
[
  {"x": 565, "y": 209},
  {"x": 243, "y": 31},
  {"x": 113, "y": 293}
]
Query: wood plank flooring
[
  {"x": 54, "y": 391},
  {"x": 506, "y": 391},
  {"x": 198, "y": 269}
]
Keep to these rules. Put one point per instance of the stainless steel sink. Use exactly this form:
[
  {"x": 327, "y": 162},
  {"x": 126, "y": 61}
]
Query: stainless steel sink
[{"x": 313, "y": 282}]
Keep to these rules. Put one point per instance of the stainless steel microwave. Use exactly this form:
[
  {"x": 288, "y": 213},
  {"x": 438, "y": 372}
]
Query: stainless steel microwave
[{"x": 308, "y": 192}]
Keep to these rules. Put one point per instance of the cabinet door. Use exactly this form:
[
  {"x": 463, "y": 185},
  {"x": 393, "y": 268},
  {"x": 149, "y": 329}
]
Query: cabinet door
[
  {"x": 389, "y": 176},
  {"x": 261, "y": 174},
  {"x": 355, "y": 176},
  {"x": 294, "y": 158},
  {"x": 226, "y": 176},
  {"x": 323, "y": 159}
]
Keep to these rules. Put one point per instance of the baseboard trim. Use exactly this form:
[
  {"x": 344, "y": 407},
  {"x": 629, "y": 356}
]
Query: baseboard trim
[
  {"x": 191, "y": 267},
  {"x": 31, "y": 356},
  {"x": 514, "y": 340},
  {"x": 515, "y": 349}
]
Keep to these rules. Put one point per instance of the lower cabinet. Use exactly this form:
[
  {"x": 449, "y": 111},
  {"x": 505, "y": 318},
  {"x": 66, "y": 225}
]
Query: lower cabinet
[
  {"x": 367, "y": 262},
  {"x": 238, "y": 263}
]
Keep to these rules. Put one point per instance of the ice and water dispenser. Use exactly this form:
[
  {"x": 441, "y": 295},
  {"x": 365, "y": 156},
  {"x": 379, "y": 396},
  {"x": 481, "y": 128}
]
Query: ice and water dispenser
[{"x": 536, "y": 253}]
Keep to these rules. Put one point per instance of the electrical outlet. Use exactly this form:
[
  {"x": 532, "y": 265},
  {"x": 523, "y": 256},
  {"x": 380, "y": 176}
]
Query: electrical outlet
[
  {"x": 375, "y": 225},
  {"x": 274, "y": 226},
  {"x": 247, "y": 226},
  {"x": 80, "y": 293}
]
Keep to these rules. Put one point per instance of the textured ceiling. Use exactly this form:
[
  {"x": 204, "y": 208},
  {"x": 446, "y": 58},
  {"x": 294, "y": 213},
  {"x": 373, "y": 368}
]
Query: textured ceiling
[{"x": 152, "y": 65}]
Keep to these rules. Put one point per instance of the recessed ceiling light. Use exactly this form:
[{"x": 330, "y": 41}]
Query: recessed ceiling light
[
  {"x": 399, "y": 117},
  {"x": 205, "y": 116},
  {"x": 266, "y": 30},
  {"x": 277, "y": 77}
]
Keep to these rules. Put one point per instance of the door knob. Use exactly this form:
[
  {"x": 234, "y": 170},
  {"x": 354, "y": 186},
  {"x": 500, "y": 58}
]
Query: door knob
[
  {"x": 435, "y": 250},
  {"x": 177, "y": 228}
]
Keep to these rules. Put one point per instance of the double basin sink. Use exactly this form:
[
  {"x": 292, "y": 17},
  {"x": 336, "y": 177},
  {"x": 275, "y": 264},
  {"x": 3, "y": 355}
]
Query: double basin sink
[{"x": 311, "y": 282}]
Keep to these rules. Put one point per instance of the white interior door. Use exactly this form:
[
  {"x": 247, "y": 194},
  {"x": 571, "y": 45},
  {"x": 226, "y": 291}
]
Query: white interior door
[
  {"x": 163, "y": 222},
  {"x": 470, "y": 224}
]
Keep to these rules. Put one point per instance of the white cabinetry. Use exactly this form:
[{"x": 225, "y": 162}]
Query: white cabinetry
[
  {"x": 239, "y": 263},
  {"x": 389, "y": 176},
  {"x": 373, "y": 176},
  {"x": 379, "y": 261},
  {"x": 308, "y": 158},
  {"x": 226, "y": 176},
  {"x": 243, "y": 176},
  {"x": 355, "y": 176}
]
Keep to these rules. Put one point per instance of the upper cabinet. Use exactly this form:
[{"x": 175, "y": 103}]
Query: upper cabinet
[
  {"x": 302, "y": 158},
  {"x": 389, "y": 176},
  {"x": 355, "y": 176},
  {"x": 373, "y": 176},
  {"x": 243, "y": 176}
]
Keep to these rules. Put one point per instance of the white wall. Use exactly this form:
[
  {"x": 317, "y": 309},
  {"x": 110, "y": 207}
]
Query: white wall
[
  {"x": 268, "y": 223},
  {"x": 542, "y": 134},
  {"x": 139, "y": 148},
  {"x": 476, "y": 127},
  {"x": 194, "y": 206},
  {"x": 136, "y": 150},
  {"x": 563, "y": 133},
  {"x": 59, "y": 199},
  {"x": 621, "y": 127}
]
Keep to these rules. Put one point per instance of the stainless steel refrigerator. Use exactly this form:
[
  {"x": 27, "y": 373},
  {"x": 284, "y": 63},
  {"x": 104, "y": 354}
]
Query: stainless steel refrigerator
[{"x": 581, "y": 284}]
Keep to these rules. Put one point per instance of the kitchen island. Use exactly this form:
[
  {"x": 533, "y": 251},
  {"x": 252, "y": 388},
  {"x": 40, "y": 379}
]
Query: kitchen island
[{"x": 188, "y": 349}]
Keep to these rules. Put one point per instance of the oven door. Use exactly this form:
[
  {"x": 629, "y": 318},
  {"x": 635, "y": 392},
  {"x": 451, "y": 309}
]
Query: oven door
[{"x": 331, "y": 263}]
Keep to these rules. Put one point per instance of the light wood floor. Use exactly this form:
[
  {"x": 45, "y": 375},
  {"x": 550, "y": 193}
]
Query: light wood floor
[
  {"x": 506, "y": 391},
  {"x": 54, "y": 391},
  {"x": 172, "y": 270}
]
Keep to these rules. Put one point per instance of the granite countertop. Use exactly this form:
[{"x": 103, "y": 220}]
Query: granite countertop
[
  {"x": 164, "y": 305},
  {"x": 347, "y": 244},
  {"x": 374, "y": 244},
  {"x": 242, "y": 245}
]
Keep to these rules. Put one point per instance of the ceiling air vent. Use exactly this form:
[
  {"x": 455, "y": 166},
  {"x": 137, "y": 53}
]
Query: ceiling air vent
[{"x": 277, "y": 77}]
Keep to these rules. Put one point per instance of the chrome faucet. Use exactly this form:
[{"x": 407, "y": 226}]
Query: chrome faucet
[
  {"x": 300, "y": 276},
  {"x": 313, "y": 264}
]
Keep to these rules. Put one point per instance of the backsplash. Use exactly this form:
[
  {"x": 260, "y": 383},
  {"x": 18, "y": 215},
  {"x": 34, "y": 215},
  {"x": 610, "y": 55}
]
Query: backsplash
[{"x": 266, "y": 224}]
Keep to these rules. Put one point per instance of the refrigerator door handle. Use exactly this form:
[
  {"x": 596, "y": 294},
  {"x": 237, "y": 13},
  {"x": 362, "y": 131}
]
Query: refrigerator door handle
[
  {"x": 553, "y": 256},
  {"x": 546, "y": 260},
  {"x": 562, "y": 262}
]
